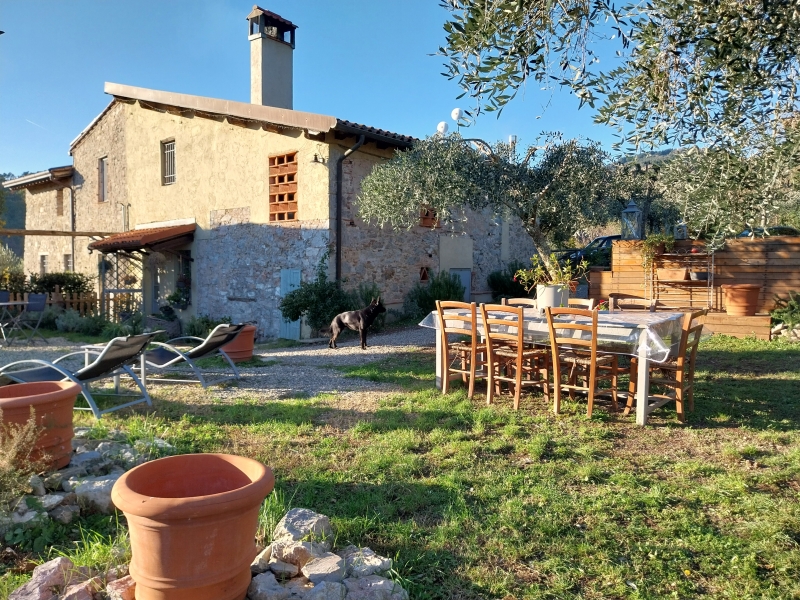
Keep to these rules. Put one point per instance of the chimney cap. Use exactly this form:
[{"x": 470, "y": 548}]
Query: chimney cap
[{"x": 257, "y": 11}]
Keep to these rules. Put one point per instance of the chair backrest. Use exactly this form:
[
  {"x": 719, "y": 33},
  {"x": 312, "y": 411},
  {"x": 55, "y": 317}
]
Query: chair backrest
[
  {"x": 221, "y": 335},
  {"x": 36, "y": 302},
  {"x": 628, "y": 302},
  {"x": 5, "y": 296},
  {"x": 529, "y": 302},
  {"x": 578, "y": 330},
  {"x": 691, "y": 332},
  {"x": 465, "y": 322},
  {"x": 117, "y": 352},
  {"x": 503, "y": 323},
  {"x": 588, "y": 304}
]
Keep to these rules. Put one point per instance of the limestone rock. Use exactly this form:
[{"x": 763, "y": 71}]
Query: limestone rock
[
  {"x": 115, "y": 573},
  {"x": 95, "y": 493},
  {"x": 328, "y": 567},
  {"x": 282, "y": 569},
  {"x": 298, "y": 587},
  {"x": 82, "y": 591},
  {"x": 85, "y": 459},
  {"x": 297, "y": 553},
  {"x": 81, "y": 433},
  {"x": 65, "y": 513},
  {"x": 52, "y": 574},
  {"x": 327, "y": 590},
  {"x": 266, "y": 587},
  {"x": 301, "y": 524},
  {"x": 53, "y": 481},
  {"x": 30, "y": 518},
  {"x": 121, "y": 589},
  {"x": 260, "y": 563},
  {"x": 374, "y": 588},
  {"x": 37, "y": 485},
  {"x": 362, "y": 562},
  {"x": 50, "y": 501}
]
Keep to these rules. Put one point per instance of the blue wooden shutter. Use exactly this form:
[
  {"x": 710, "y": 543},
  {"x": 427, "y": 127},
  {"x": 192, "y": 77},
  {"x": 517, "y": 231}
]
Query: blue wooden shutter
[{"x": 290, "y": 279}]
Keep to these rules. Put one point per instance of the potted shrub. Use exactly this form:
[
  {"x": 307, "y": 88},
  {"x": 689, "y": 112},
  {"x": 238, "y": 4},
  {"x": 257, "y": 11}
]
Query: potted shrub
[
  {"x": 52, "y": 403},
  {"x": 193, "y": 521},
  {"x": 552, "y": 284}
]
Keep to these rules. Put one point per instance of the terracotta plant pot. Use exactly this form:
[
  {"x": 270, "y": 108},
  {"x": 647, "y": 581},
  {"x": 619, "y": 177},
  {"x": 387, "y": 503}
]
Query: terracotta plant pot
[
  {"x": 192, "y": 521},
  {"x": 241, "y": 348},
  {"x": 741, "y": 299},
  {"x": 672, "y": 274},
  {"x": 52, "y": 402}
]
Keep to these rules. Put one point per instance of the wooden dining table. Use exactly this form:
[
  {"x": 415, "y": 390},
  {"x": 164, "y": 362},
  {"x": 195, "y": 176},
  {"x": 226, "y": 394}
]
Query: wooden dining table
[{"x": 653, "y": 337}]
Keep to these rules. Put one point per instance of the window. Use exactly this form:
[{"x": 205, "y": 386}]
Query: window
[
  {"x": 168, "y": 172},
  {"x": 42, "y": 264},
  {"x": 102, "y": 179},
  {"x": 60, "y": 202},
  {"x": 428, "y": 218},
  {"x": 68, "y": 262},
  {"x": 283, "y": 187}
]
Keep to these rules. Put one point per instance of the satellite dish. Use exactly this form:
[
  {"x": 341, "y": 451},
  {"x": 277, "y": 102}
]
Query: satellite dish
[
  {"x": 457, "y": 114},
  {"x": 442, "y": 128}
]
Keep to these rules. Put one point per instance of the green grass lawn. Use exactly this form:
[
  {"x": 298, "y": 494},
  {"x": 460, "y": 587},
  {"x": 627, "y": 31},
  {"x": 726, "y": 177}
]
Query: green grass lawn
[{"x": 484, "y": 502}]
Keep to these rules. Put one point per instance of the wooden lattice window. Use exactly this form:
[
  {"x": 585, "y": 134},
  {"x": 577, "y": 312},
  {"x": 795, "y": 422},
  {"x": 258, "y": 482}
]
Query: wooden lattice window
[
  {"x": 283, "y": 187},
  {"x": 428, "y": 218}
]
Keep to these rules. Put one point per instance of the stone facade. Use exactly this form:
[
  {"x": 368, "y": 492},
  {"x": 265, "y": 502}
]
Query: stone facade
[{"x": 42, "y": 204}]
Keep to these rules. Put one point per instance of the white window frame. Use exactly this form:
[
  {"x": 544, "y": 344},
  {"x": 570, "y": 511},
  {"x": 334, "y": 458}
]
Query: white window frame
[
  {"x": 69, "y": 265},
  {"x": 169, "y": 170},
  {"x": 44, "y": 259}
]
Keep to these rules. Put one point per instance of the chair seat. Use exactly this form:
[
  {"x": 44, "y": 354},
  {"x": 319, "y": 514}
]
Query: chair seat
[
  {"x": 160, "y": 356},
  {"x": 35, "y": 375},
  {"x": 574, "y": 358},
  {"x": 512, "y": 352},
  {"x": 467, "y": 347}
]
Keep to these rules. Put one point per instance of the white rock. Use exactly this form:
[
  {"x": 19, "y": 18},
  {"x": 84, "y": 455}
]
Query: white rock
[
  {"x": 260, "y": 563},
  {"x": 778, "y": 328},
  {"x": 95, "y": 493},
  {"x": 327, "y": 590},
  {"x": 65, "y": 513},
  {"x": 85, "y": 459},
  {"x": 297, "y": 553},
  {"x": 50, "y": 501},
  {"x": 301, "y": 524},
  {"x": 121, "y": 589},
  {"x": 374, "y": 588},
  {"x": 82, "y": 591},
  {"x": 37, "y": 485},
  {"x": 266, "y": 587},
  {"x": 45, "y": 577},
  {"x": 298, "y": 587},
  {"x": 282, "y": 569},
  {"x": 29, "y": 518},
  {"x": 82, "y": 432},
  {"x": 362, "y": 562},
  {"x": 328, "y": 567}
]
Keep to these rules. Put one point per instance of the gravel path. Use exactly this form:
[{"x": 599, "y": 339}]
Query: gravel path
[{"x": 305, "y": 370}]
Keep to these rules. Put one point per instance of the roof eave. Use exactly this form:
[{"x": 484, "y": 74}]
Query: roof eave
[{"x": 42, "y": 177}]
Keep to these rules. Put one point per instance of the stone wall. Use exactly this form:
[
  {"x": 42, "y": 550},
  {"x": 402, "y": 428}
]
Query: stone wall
[{"x": 41, "y": 213}]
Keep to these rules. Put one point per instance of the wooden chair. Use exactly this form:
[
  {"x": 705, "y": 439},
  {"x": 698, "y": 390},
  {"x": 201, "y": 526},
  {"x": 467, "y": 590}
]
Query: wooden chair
[
  {"x": 628, "y": 302},
  {"x": 581, "y": 356},
  {"x": 467, "y": 356},
  {"x": 524, "y": 302},
  {"x": 678, "y": 372},
  {"x": 587, "y": 304},
  {"x": 509, "y": 358}
]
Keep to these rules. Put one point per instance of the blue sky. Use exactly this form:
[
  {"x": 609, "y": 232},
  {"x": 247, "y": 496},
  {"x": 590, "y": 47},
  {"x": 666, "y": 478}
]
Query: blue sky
[{"x": 364, "y": 60}]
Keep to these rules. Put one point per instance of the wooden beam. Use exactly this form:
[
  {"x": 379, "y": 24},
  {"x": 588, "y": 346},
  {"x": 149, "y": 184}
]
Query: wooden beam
[{"x": 56, "y": 233}]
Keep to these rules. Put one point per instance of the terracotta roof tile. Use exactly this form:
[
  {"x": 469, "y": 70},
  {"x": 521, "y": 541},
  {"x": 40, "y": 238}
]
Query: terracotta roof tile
[{"x": 141, "y": 238}]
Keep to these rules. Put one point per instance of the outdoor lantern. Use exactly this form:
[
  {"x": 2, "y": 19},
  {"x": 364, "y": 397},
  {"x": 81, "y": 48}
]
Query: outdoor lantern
[
  {"x": 632, "y": 222},
  {"x": 680, "y": 231}
]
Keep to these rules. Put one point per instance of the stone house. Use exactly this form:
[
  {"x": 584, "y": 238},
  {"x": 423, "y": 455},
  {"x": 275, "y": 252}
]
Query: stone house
[{"x": 231, "y": 204}]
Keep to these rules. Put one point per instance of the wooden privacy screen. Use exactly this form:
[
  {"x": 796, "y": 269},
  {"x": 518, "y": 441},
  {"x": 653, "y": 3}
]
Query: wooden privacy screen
[
  {"x": 283, "y": 187},
  {"x": 773, "y": 263}
]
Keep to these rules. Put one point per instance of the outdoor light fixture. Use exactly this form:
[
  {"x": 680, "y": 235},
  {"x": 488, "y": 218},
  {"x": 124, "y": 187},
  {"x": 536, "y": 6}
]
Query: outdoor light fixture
[
  {"x": 318, "y": 158},
  {"x": 632, "y": 222}
]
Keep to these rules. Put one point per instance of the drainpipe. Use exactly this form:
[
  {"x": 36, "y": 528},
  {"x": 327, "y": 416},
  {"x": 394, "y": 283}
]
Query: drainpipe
[{"x": 339, "y": 163}]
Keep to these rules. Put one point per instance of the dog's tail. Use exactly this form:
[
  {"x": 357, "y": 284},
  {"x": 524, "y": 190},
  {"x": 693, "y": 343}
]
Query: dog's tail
[{"x": 326, "y": 331}]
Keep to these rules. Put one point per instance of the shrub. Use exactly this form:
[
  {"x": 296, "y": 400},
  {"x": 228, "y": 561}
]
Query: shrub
[
  {"x": 67, "y": 282},
  {"x": 50, "y": 316},
  {"x": 503, "y": 284},
  {"x": 318, "y": 301},
  {"x": 113, "y": 330},
  {"x": 202, "y": 325},
  {"x": 16, "y": 467},
  {"x": 787, "y": 310},
  {"x": 13, "y": 281},
  {"x": 9, "y": 261},
  {"x": 71, "y": 321},
  {"x": 422, "y": 298}
]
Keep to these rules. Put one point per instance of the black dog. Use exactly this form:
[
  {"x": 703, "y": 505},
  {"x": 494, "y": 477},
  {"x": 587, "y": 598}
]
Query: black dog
[{"x": 357, "y": 320}]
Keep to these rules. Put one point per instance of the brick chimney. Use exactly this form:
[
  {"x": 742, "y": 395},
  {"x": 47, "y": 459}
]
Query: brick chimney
[{"x": 271, "y": 48}]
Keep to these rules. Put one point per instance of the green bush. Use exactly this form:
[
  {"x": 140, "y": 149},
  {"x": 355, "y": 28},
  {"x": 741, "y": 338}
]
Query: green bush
[
  {"x": 67, "y": 282},
  {"x": 9, "y": 261},
  {"x": 71, "y": 321},
  {"x": 503, "y": 283},
  {"x": 202, "y": 325},
  {"x": 318, "y": 301},
  {"x": 422, "y": 298},
  {"x": 13, "y": 281},
  {"x": 51, "y": 314},
  {"x": 787, "y": 310},
  {"x": 113, "y": 330}
]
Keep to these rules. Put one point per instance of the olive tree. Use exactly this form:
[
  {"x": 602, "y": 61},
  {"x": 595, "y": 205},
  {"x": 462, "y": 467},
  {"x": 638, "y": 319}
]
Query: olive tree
[{"x": 555, "y": 188}]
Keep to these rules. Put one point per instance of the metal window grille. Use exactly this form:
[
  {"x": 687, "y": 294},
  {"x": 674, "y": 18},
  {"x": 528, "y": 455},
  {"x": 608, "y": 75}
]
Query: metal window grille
[
  {"x": 102, "y": 181},
  {"x": 42, "y": 264},
  {"x": 68, "y": 262},
  {"x": 168, "y": 162}
]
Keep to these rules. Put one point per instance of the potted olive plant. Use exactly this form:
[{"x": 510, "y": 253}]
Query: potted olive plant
[{"x": 552, "y": 283}]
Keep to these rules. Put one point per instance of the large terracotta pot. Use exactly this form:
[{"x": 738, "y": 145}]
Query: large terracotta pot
[
  {"x": 192, "y": 521},
  {"x": 741, "y": 299},
  {"x": 241, "y": 348},
  {"x": 52, "y": 402}
]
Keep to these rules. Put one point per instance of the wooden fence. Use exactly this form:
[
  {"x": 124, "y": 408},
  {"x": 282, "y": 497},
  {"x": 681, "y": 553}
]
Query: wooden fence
[{"x": 84, "y": 303}]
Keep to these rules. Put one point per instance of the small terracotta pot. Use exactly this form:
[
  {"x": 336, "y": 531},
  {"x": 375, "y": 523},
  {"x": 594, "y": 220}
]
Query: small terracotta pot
[
  {"x": 241, "y": 348},
  {"x": 52, "y": 402},
  {"x": 672, "y": 274},
  {"x": 192, "y": 521},
  {"x": 741, "y": 299}
]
